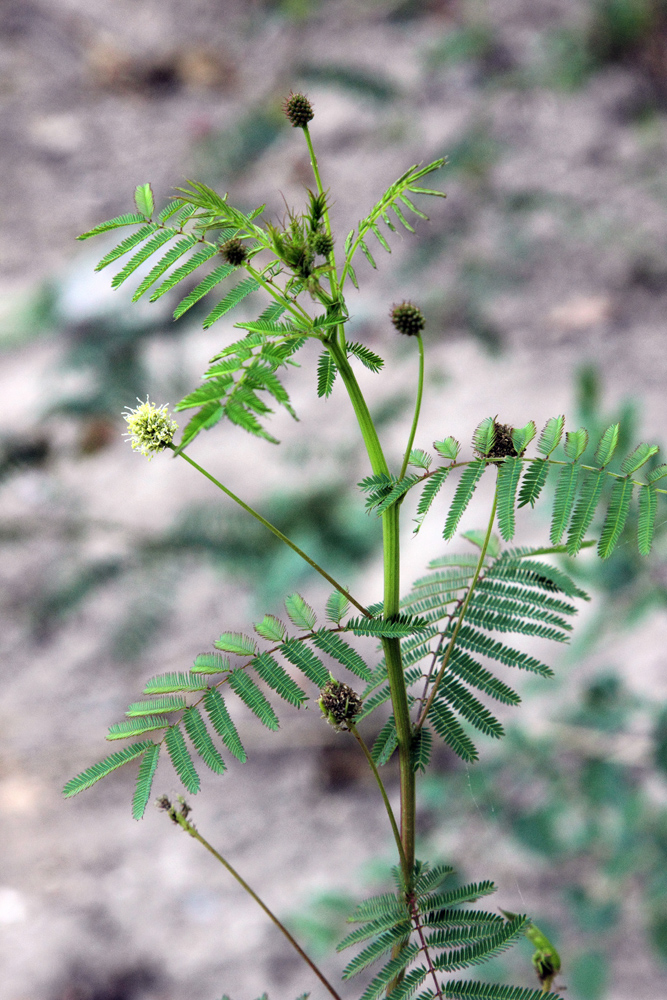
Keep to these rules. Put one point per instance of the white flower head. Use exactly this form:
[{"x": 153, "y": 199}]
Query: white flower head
[{"x": 149, "y": 428}]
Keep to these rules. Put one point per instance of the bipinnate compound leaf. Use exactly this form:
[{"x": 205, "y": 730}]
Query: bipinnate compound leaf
[
  {"x": 429, "y": 493},
  {"x": 222, "y": 723},
  {"x": 273, "y": 674},
  {"x": 129, "y": 219},
  {"x": 230, "y": 301},
  {"x": 421, "y": 459},
  {"x": 551, "y": 435},
  {"x": 337, "y": 607},
  {"x": 467, "y": 484},
  {"x": 143, "y": 199},
  {"x": 302, "y": 657},
  {"x": 164, "y": 264},
  {"x": 484, "y": 437},
  {"x": 566, "y": 489},
  {"x": 96, "y": 772},
  {"x": 638, "y": 457},
  {"x": 155, "y": 706},
  {"x": 607, "y": 446},
  {"x": 135, "y": 727},
  {"x": 522, "y": 436},
  {"x": 161, "y": 237},
  {"x": 145, "y": 777},
  {"x": 450, "y": 730},
  {"x": 368, "y": 358},
  {"x": 584, "y": 510},
  {"x": 181, "y": 759},
  {"x": 196, "y": 729},
  {"x": 421, "y": 749},
  {"x": 129, "y": 243},
  {"x": 509, "y": 473},
  {"x": 471, "y": 990},
  {"x": 300, "y": 613},
  {"x": 211, "y": 663},
  {"x": 236, "y": 642},
  {"x": 271, "y": 628},
  {"x": 648, "y": 505},
  {"x": 340, "y": 650},
  {"x": 617, "y": 515},
  {"x": 385, "y": 743},
  {"x": 326, "y": 374},
  {"x": 449, "y": 448},
  {"x": 533, "y": 482},
  {"x": 168, "y": 683},
  {"x": 576, "y": 443},
  {"x": 251, "y": 696}
]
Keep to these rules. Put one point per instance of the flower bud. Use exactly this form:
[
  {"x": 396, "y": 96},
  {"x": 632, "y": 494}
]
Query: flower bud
[
  {"x": 298, "y": 110},
  {"x": 323, "y": 244},
  {"x": 408, "y": 319},
  {"x": 339, "y": 703}
]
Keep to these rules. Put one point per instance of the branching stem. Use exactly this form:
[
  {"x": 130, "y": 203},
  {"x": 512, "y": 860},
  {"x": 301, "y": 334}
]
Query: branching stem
[
  {"x": 177, "y": 816},
  {"x": 418, "y": 405},
  {"x": 459, "y": 621}
]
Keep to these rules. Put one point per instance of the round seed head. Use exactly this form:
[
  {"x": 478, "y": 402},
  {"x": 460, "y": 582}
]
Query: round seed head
[
  {"x": 339, "y": 703},
  {"x": 298, "y": 110},
  {"x": 234, "y": 252},
  {"x": 323, "y": 244},
  {"x": 408, "y": 319},
  {"x": 503, "y": 446},
  {"x": 149, "y": 428}
]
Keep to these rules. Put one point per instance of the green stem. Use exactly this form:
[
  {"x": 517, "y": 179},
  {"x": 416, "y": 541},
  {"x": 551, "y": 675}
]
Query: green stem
[
  {"x": 277, "y": 294},
  {"x": 459, "y": 621},
  {"x": 276, "y": 531},
  {"x": 183, "y": 821},
  {"x": 390, "y": 812},
  {"x": 418, "y": 406},
  {"x": 333, "y": 277}
]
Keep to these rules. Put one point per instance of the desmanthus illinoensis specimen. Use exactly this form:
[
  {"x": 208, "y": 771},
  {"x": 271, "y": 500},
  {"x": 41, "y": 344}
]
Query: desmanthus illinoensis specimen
[{"x": 434, "y": 639}]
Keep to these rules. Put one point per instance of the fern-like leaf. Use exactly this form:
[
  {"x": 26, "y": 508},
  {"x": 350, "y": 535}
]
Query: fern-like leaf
[
  {"x": 180, "y": 758},
  {"x": 273, "y": 674},
  {"x": 460, "y": 699},
  {"x": 607, "y": 446},
  {"x": 154, "y": 706},
  {"x": 340, "y": 650},
  {"x": 384, "y": 943},
  {"x": 617, "y": 515},
  {"x": 182, "y": 272},
  {"x": 300, "y": 613},
  {"x": 648, "y": 505},
  {"x": 397, "y": 491},
  {"x": 129, "y": 243},
  {"x": 566, "y": 489},
  {"x": 135, "y": 727},
  {"x": 96, "y": 772},
  {"x": 584, "y": 510},
  {"x": 251, "y": 696},
  {"x": 421, "y": 749},
  {"x": 450, "y": 730},
  {"x": 237, "y": 294},
  {"x": 164, "y": 264},
  {"x": 196, "y": 729},
  {"x": 211, "y": 663},
  {"x": 129, "y": 219},
  {"x": 236, "y": 642},
  {"x": 271, "y": 628},
  {"x": 302, "y": 657},
  {"x": 326, "y": 374},
  {"x": 470, "y": 990},
  {"x": 145, "y": 777},
  {"x": 533, "y": 482},
  {"x": 149, "y": 248},
  {"x": 397, "y": 626},
  {"x": 477, "y": 642},
  {"x": 390, "y": 971},
  {"x": 429, "y": 493},
  {"x": 168, "y": 683},
  {"x": 222, "y": 723},
  {"x": 337, "y": 607},
  {"x": 473, "y": 673},
  {"x": 369, "y": 360},
  {"x": 464, "y": 491},
  {"x": 508, "y": 481},
  {"x": 385, "y": 743}
]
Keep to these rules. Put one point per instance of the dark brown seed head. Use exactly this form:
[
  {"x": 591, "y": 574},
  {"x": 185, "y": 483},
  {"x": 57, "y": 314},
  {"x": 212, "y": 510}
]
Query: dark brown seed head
[
  {"x": 298, "y": 110},
  {"x": 339, "y": 703},
  {"x": 503, "y": 446},
  {"x": 408, "y": 319},
  {"x": 234, "y": 252}
]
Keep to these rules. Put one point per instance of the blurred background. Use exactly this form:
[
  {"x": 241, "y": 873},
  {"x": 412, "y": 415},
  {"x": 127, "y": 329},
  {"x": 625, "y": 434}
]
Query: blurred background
[{"x": 543, "y": 277}]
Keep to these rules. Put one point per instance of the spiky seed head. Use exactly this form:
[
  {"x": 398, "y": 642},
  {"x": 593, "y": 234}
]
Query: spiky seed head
[
  {"x": 408, "y": 319},
  {"x": 298, "y": 110},
  {"x": 234, "y": 251},
  {"x": 149, "y": 428},
  {"x": 323, "y": 244},
  {"x": 503, "y": 446},
  {"x": 339, "y": 703}
]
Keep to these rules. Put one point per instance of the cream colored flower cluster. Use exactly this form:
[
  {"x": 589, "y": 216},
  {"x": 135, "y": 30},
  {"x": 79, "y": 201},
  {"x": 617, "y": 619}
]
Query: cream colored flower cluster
[{"x": 149, "y": 428}]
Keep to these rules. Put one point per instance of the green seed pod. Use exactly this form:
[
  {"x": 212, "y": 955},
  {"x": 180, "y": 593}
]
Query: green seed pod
[
  {"x": 323, "y": 244},
  {"x": 298, "y": 110},
  {"x": 339, "y": 703},
  {"x": 234, "y": 252},
  {"x": 408, "y": 319}
]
